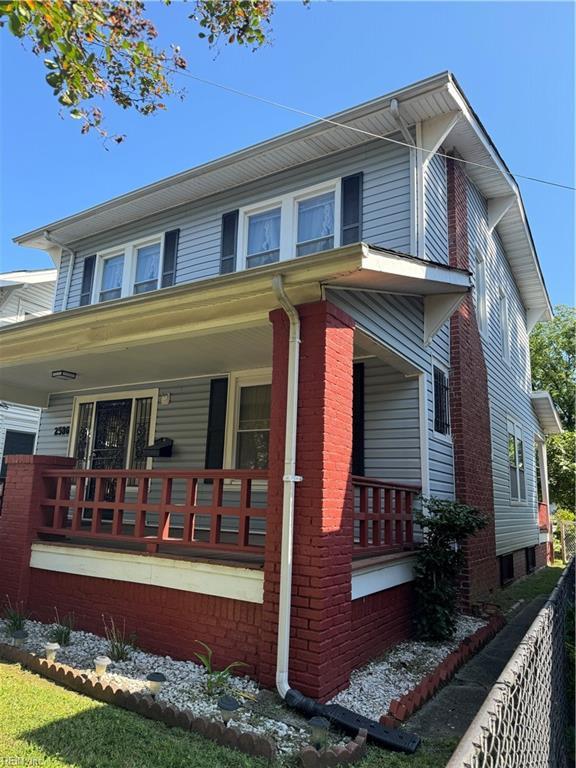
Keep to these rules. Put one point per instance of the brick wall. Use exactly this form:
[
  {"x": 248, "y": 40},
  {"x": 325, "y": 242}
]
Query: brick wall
[
  {"x": 469, "y": 407},
  {"x": 321, "y": 606},
  {"x": 165, "y": 621},
  {"x": 380, "y": 621}
]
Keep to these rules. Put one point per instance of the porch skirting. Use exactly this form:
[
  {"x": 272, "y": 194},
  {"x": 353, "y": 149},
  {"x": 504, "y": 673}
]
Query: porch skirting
[{"x": 230, "y": 582}]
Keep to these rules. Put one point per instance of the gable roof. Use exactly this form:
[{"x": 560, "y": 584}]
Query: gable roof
[{"x": 433, "y": 97}]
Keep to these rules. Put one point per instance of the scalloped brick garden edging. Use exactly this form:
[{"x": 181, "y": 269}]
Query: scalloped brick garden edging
[
  {"x": 404, "y": 707},
  {"x": 249, "y": 743}
]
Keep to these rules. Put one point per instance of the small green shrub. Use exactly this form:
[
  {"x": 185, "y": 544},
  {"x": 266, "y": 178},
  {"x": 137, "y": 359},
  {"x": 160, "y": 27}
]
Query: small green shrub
[
  {"x": 217, "y": 681},
  {"x": 120, "y": 646},
  {"x": 60, "y": 632},
  {"x": 14, "y": 616},
  {"x": 445, "y": 526}
]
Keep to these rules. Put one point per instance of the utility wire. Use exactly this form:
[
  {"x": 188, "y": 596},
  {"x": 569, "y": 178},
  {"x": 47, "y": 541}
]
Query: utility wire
[{"x": 337, "y": 124}]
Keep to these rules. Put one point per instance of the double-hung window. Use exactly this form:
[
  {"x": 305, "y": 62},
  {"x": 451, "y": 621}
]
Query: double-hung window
[
  {"x": 481, "y": 301},
  {"x": 516, "y": 462},
  {"x": 297, "y": 224},
  {"x": 248, "y": 423},
  {"x": 504, "y": 327},
  {"x": 134, "y": 269}
]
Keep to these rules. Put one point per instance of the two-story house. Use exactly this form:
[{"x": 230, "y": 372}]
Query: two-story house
[
  {"x": 23, "y": 294},
  {"x": 256, "y": 366}
]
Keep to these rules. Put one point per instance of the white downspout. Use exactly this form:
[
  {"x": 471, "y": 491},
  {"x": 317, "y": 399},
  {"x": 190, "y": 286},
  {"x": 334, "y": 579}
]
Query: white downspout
[
  {"x": 290, "y": 479},
  {"x": 68, "y": 283}
]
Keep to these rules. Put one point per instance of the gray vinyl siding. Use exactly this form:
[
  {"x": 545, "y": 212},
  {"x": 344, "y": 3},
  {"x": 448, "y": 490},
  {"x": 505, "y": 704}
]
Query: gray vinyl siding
[
  {"x": 63, "y": 271},
  {"x": 509, "y": 386},
  {"x": 391, "y": 425},
  {"x": 35, "y": 299},
  {"x": 436, "y": 210},
  {"x": 385, "y": 210},
  {"x": 398, "y": 323},
  {"x": 17, "y": 418}
]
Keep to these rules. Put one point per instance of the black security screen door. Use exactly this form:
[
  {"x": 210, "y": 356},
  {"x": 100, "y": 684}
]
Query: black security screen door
[{"x": 111, "y": 434}]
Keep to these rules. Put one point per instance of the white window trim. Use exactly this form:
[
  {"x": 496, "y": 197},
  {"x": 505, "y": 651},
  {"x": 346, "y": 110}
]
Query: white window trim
[
  {"x": 288, "y": 205},
  {"x": 447, "y": 438},
  {"x": 129, "y": 271},
  {"x": 236, "y": 381},
  {"x": 481, "y": 296},
  {"x": 504, "y": 319},
  {"x": 122, "y": 395},
  {"x": 518, "y": 434}
]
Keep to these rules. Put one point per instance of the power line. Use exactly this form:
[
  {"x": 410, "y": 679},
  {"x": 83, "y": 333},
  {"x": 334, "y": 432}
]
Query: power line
[{"x": 337, "y": 124}]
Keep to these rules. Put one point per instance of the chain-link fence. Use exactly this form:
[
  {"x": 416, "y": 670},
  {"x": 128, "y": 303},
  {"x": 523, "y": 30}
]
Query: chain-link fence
[
  {"x": 523, "y": 722},
  {"x": 565, "y": 535}
]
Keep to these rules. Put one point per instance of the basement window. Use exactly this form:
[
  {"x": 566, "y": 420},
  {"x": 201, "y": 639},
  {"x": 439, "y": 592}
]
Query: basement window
[
  {"x": 506, "y": 569},
  {"x": 530, "y": 559}
]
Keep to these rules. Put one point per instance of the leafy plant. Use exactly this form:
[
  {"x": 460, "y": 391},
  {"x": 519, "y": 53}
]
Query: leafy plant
[
  {"x": 217, "y": 681},
  {"x": 445, "y": 526},
  {"x": 60, "y": 632},
  {"x": 120, "y": 645},
  {"x": 14, "y": 616}
]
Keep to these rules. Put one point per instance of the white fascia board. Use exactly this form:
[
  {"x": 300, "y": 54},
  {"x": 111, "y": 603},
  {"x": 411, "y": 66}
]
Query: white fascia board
[
  {"x": 546, "y": 412},
  {"x": 234, "y": 583},
  {"x": 405, "y": 266},
  {"x": 382, "y": 576}
]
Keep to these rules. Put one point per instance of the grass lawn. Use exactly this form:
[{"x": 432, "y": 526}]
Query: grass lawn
[
  {"x": 42, "y": 724},
  {"x": 540, "y": 583}
]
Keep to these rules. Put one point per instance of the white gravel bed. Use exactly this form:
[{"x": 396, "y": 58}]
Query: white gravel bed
[
  {"x": 184, "y": 687},
  {"x": 374, "y": 686}
]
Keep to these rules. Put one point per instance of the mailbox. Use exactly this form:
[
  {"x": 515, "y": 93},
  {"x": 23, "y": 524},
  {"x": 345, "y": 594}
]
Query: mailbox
[{"x": 161, "y": 448}]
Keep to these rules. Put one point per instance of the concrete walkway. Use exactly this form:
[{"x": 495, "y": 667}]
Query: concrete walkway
[{"x": 451, "y": 711}]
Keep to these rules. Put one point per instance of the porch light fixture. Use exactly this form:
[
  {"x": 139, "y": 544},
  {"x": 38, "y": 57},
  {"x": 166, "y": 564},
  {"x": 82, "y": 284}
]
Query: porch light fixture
[
  {"x": 319, "y": 731},
  {"x": 227, "y": 706},
  {"x": 50, "y": 650},
  {"x": 155, "y": 681},
  {"x": 19, "y": 636},
  {"x": 64, "y": 374},
  {"x": 101, "y": 665}
]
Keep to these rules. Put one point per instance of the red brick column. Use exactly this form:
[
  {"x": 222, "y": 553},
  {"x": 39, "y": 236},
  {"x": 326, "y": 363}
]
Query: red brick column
[
  {"x": 469, "y": 406},
  {"x": 21, "y": 516},
  {"x": 320, "y": 649}
]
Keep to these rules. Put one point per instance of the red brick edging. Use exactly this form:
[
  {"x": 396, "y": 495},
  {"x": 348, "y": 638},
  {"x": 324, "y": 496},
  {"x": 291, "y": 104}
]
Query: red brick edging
[
  {"x": 404, "y": 707},
  {"x": 251, "y": 744}
]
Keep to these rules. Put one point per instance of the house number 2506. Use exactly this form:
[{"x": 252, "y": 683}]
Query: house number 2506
[{"x": 62, "y": 430}]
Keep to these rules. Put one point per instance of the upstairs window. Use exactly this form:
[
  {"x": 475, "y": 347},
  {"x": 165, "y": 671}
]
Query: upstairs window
[
  {"x": 263, "y": 238},
  {"x": 481, "y": 308},
  {"x": 516, "y": 462},
  {"x": 315, "y": 224},
  {"x": 441, "y": 401},
  {"x": 147, "y": 268},
  {"x": 111, "y": 278}
]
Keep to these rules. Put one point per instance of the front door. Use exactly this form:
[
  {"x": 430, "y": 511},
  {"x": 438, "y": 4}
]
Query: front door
[{"x": 111, "y": 434}]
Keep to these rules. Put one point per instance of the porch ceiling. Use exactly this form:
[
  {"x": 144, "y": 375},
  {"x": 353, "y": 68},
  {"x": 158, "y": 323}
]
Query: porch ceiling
[{"x": 201, "y": 328}]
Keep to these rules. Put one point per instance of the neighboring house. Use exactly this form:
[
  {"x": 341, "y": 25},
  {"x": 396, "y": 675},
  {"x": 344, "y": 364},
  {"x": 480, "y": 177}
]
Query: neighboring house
[
  {"x": 404, "y": 369},
  {"x": 23, "y": 295}
]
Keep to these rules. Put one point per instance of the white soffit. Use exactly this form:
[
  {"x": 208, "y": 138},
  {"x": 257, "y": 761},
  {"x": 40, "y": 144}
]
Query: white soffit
[
  {"x": 425, "y": 100},
  {"x": 546, "y": 413}
]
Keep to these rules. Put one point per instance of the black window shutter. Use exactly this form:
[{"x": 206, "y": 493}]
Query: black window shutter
[
  {"x": 170, "y": 252},
  {"x": 352, "y": 209},
  {"x": 228, "y": 244},
  {"x": 358, "y": 420},
  {"x": 216, "y": 424},
  {"x": 87, "y": 280}
]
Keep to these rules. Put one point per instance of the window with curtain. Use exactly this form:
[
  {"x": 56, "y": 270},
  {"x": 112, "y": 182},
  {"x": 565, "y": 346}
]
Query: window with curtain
[
  {"x": 263, "y": 238},
  {"x": 516, "y": 462},
  {"x": 147, "y": 268},
  {"x": 315, "y": 224},
  {"x": 253, "y": 428},
  {"x": 111, "y": 284}
]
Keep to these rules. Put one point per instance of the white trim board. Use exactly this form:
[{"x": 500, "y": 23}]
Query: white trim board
[
  {"x": 376, "y": 578},
  {"x": 234, "y": 583}
]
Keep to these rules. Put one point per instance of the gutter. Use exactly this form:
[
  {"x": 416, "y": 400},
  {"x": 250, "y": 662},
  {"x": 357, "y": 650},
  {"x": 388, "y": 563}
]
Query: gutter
[{"x": 290, "y": 479}]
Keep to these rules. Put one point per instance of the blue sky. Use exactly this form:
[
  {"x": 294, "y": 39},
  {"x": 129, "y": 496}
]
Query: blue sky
[{"x": 515, "y": 62}]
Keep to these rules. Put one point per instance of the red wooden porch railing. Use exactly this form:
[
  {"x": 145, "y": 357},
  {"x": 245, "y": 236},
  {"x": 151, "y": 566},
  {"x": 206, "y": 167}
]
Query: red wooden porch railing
[
  {"x": 543, "y": 516},
  {"x": 383, "y": 516},
  {"x": 200, "y": 509}
]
